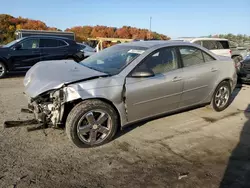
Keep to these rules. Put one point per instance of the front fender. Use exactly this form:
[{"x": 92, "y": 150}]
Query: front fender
[{"x": 112, "y": 95}]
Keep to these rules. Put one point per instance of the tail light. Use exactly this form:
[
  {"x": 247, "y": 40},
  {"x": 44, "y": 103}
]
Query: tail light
[{"x": 230, "y": 51}]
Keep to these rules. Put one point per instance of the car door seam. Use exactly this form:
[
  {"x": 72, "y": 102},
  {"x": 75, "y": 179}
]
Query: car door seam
[
  {"x": 150, "y": 100},
  {"x": 184, "y": 91}
]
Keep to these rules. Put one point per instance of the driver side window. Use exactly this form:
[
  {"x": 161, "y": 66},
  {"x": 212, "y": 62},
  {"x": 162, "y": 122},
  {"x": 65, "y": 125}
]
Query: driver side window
[
  {"x": 161, "y": 61},
  {"x": 30, "y": 44}
]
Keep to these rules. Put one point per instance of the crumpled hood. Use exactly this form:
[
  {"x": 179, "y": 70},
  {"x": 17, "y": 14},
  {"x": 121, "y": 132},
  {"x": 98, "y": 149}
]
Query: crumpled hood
[{"x": 49, "y": 75}]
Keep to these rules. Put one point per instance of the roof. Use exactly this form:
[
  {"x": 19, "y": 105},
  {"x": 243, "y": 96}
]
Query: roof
[
  {"x": 109, "y": 39},
  {"x": 189, "y": 39},
  {"x": 44, "y": 31},
  {"x": 154, "y": 43},
  {"x": 43, "y": 36}
]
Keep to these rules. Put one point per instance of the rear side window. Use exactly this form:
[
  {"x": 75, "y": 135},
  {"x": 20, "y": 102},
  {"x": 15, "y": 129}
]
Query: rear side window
[
  {"x": 215, "y": 45},
  {"x": 198, "y": 42},
  {"x": 191, "y": 56},
  {"x": 207, "y": 57},
  {"x": 51, "y": 43},
  {"x": 223, "y": 44},
  {"x": 209, "y": 44},
  {"x": 61, "y": 43}
]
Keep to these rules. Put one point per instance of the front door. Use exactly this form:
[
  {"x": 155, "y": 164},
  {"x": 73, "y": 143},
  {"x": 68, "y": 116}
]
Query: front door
[
  {"x": 26, "y": 55},
  {"x": 160, "y": 93},
  {"x": 200, "y": 72}
]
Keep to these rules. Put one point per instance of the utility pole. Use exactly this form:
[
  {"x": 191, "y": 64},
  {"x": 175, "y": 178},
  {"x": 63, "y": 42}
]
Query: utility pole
[{"x": 150, "y": 20}]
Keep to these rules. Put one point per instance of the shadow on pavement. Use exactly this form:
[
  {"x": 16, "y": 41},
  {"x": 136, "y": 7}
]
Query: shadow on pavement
[
  {"x": 14, "y": 75},
  {"x": 237, "y": 173},
  {"x": 236, "y": 91},
  {"x": 133, "y": 126}
]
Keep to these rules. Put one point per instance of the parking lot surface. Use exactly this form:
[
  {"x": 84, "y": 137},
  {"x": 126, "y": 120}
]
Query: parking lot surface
[{"x": 196, "y": 148}]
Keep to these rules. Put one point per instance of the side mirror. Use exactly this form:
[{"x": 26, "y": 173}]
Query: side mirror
[
  {"x": 17, "y": 47},
  {"x": 142, "y": 73}
]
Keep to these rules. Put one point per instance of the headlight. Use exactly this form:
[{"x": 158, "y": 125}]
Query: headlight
[{"x": 27, "y": 81}]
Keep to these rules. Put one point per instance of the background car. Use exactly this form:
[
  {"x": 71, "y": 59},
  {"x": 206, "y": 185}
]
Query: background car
[
  {"x": 219, "y": 46},
  {"x": 127, "y": 83},
  {"x": 88, "y": 51},
  {"x": 21, "y": 54},
  {"x": 238, "y": 52},
  {"x": 244, "y": 70}
]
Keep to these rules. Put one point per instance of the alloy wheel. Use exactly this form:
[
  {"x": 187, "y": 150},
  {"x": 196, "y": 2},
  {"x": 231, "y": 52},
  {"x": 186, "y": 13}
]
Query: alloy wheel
[
  {"x": 222, "y": 96},
  {"x": 94, "y": 127},
  {"x": 2, "y": 70}
]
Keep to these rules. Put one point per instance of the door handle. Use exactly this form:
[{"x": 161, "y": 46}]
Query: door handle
[
  {"x": 213, "y": 69},
  {"x": 176, "y": 79}
]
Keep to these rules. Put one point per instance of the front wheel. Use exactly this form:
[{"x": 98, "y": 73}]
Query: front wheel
[
  {"x": 221, "y": 97},
  {"x": 91, "y": 123},
  {"x": 3, "y": 70}
]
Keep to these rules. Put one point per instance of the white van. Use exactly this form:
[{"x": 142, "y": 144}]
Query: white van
[{"x": 219, "y": 46}]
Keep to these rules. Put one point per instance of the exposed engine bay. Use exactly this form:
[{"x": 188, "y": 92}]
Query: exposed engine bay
[{"x": 48, "y": 108}]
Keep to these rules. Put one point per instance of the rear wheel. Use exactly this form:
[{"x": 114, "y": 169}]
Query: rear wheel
[
  {"x": 221, "y": 97},
  {"x": 3, "y": 70},
  {"x": 91, "y": 123}
]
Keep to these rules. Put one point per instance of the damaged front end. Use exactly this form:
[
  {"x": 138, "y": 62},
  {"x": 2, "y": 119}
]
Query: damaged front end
[{"x": 48, "y": 108}]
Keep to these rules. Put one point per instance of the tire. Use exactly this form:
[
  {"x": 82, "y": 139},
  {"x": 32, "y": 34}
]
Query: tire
[
  {"x": 83, "y": 113},
  {"x": 215, "y": 99},
  {"x": 3, "y": 70}
]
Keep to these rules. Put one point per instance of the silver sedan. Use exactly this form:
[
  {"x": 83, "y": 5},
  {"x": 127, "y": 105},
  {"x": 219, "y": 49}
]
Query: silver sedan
[{"x": 127, "y": 83}]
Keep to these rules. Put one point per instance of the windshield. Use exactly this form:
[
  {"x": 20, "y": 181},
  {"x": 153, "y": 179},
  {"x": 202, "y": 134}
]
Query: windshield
[
  {"x": 113, "y": 59},
  {"x": 11, "y": 43}
]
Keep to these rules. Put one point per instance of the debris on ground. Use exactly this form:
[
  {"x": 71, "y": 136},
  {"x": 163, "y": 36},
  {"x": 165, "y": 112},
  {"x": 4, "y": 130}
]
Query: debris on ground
[{"x": 183, "y": 175}]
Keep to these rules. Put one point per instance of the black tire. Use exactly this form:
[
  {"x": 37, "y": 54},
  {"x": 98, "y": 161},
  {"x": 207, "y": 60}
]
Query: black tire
[
  {"x": 213, "y": 103},
  {"x": 3, "y": 70},
  {"x": 79, "y": 111}
]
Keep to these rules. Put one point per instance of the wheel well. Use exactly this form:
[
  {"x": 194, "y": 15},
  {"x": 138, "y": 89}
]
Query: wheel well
[
  {"x": 225, "y": 80},
  {"x": 70, "y": 105},
  {"x": 229, "y": 81}
]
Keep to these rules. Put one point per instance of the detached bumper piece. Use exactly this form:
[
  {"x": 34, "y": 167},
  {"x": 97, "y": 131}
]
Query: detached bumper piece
[{"x": 20, "y": 123}]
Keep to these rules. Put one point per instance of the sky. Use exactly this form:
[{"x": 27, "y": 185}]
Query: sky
[{"x": 174, "y": 18}]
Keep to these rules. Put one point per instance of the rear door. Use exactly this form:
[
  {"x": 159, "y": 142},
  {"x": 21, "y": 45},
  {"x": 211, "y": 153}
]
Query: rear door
[
  {"x": 219, "y": 47},
  {"x": 27, "y": 55},
  {"x": 53, "y": 49},
  {"x": 200, "y": 72}
]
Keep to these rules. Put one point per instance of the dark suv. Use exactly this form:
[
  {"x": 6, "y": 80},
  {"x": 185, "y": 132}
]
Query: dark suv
[{"x": 20, "y": 55}]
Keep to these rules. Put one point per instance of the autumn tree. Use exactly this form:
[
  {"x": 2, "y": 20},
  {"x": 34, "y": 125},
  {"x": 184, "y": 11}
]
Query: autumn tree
[{"x": 9, "y": 24}]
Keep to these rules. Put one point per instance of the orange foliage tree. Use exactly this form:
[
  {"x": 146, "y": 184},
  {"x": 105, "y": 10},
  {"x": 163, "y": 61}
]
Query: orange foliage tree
[
  {"x": 84, "y": 32},
  {"x": 9, "y": 24}
]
